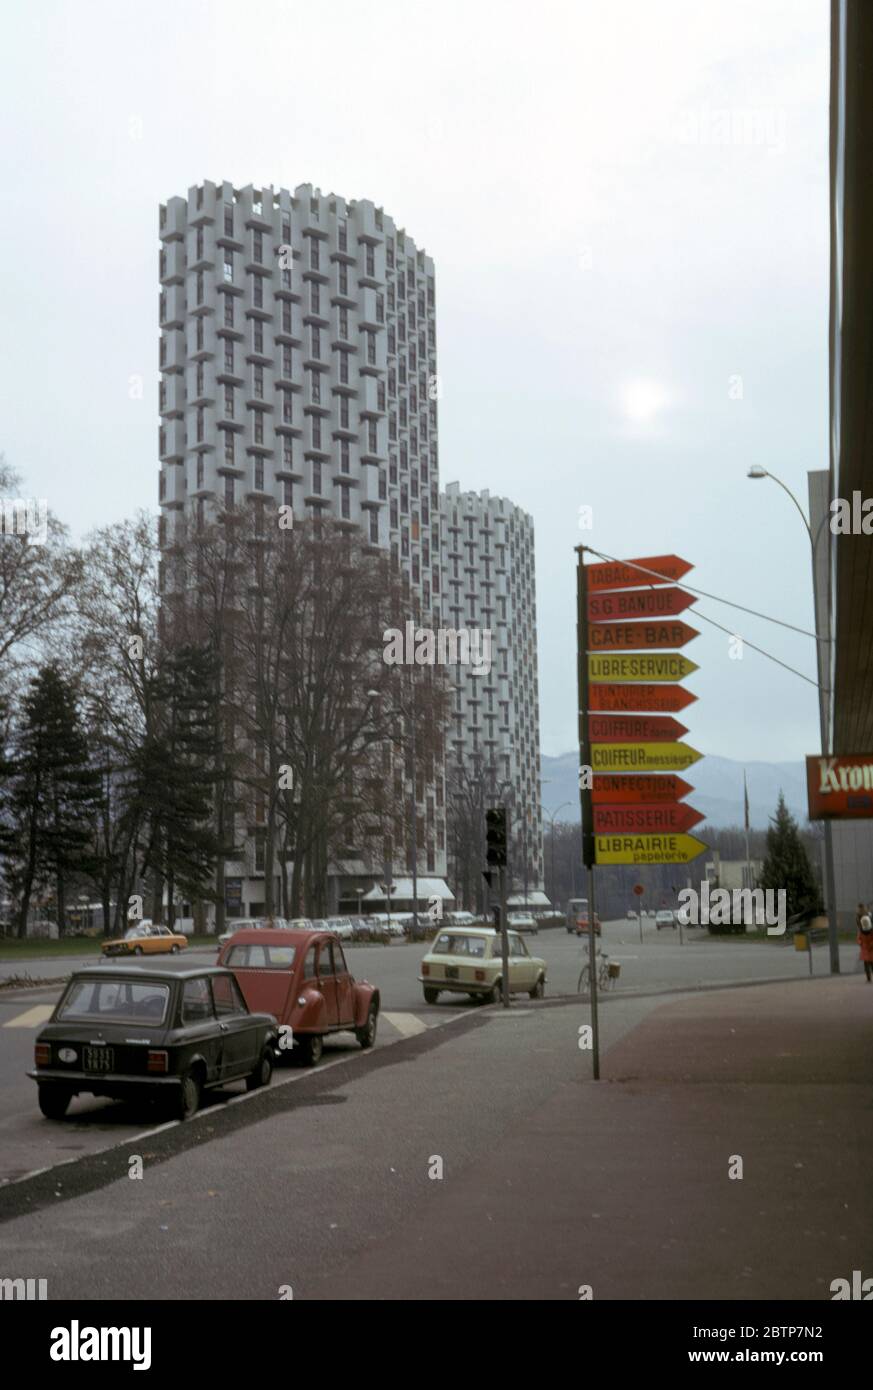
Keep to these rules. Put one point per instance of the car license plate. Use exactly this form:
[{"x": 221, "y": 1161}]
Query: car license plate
[
  {"x": 99, "y": 1058},
  {"x": 451, "y": 972}
]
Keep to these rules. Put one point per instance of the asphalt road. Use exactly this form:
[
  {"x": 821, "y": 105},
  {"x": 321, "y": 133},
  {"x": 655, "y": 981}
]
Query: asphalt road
[{"x": 658, "y": 964}]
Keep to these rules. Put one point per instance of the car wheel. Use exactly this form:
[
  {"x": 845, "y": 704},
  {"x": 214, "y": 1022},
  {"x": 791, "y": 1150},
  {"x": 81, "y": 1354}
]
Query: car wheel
[
  {"x": 539, "y": 989},
  {"x": 310, "y": 1049},
  {"x": 262, "y": 1073},
  {"x": 431, "y": 996},
  {"x": 174, "y": 950},
  {"x": 188, "y": 1099},
  {"x": 495, "y": 995},
  {"x": 366, "y": 1036},
  {"x": 137, "y": 950},
  {"x": 54, "y": 1100}
]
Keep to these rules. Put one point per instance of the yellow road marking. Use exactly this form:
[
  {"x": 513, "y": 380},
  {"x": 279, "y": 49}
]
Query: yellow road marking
[{"x": 407, "y": 1024}]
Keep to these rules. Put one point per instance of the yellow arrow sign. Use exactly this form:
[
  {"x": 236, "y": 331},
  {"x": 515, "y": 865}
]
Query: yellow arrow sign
[
  {"x": 654, "y": 666},
  {"x": 647, "y": 849},
  {"x": 642, "y": 757}
]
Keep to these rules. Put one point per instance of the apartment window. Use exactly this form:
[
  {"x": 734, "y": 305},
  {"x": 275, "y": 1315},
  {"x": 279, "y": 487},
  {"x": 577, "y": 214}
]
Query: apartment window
[
  {"x": 392, "y": 341},
  {"x": 414, "y": 483},
  {"x": 163, "y": 393},
  {"x": 288, "y": 492},
  {"x": 316, "y": 431},
  {"x": 383, "y": 485},
  {"x": 286, "y": 317},
  {"x": 162, "y": 440},
  {"x": 380, "y": 309},
  {"x": 200, "y": 287},
  {"x": 343, "y": 279},
  {"x": 371, "y": 349},
  {"x": 316, "y": 477},
  {"x": 372, "y": 440},
  {"x": 314, "y": 255},
  {"x": 345, "y": 504},
  {"x": 259, "y": 475},
  {"x": 287, "y": 361},
  {"x": 228, "y": 357},
  {"x": 380, "y": 396},
  {"x": 413, "y": 360},
  {"x": 228, "y": 267},
  {"x": 371, "y": 261},
  {"x": 199, "y": 470},
  {"x": 344, "y": 412},
  {"x": 201, "y": 424},
  {"x": 395, "y": 519},
  {"x": 345, "y": 456},
  {"x": 258, "y": 293},
  {"x": 344, "y": 323},
  {"x": 404, "y": 543},
  {"x": 162, "y": 489},
  {"x": 228, "y": 402},
  {"x": 258, "y": 247},
  {"x": 374, "y": 527},
  {"x": 259, "y": 426},
  {"x": 228, "y": 220},
  {"x": 229, "y": 446},
  {"x": 286, "y": 230},
  {"x": 391, "y": 298},
  {"x": 286, "y": 277},
  {"x": 392, "y": 469},
  {"x": 228, "y": 312},
  {"x": 287, "y": 452},
  {"x": 258, "y": 336},
  {"x": 199, "y": 390},
  {"x": 200, "y": 197},
  {"x": 287, "y": 407},
  {"x": 258, "y": 382},
  {"x": 314, "y": 299},
  {"x": 403, "y": 415},
  {"x": 389, "y": 253},
  {"x": 315, "y": 341},
  {"x": 343, "y": 366},
  {"x": 228, "y": 492},
  {"x": 343, "y": 235},
  {"x": 404, "y": 498}
]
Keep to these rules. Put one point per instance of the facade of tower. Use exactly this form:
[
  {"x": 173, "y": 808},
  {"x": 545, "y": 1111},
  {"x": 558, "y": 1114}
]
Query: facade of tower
[
  {"x": 298, "y": 366},
  {"x": 493, "y": 751}
]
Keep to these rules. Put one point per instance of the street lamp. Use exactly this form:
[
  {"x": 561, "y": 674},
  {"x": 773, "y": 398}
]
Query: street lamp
[
  {"x": 551, "y": 818},
  {"x": 755, "y": 472}
]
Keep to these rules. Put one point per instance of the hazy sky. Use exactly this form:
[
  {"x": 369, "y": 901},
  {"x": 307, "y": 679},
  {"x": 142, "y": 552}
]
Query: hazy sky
[{"x": 627, "y": 204}]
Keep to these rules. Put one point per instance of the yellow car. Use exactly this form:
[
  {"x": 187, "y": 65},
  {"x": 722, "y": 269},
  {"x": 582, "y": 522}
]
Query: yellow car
[
  {"x": 468, "y": 960},
  {"x": 145, "y": 939}
]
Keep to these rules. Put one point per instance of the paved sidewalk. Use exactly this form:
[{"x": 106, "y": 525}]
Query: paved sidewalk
[{"x": 624, "y": 1184}]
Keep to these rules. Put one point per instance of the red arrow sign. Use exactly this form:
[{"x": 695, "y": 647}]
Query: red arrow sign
[
  {"x": 634, "y": 728},
  {"x": 673, "y": 816},
  {"x": 620, "y": 574},
  {"x": 633, "y": 636},
  {"x": 662, "y": 699},
  {"x": 637, "y": 788},
  {"x": 638, "y": 603}
]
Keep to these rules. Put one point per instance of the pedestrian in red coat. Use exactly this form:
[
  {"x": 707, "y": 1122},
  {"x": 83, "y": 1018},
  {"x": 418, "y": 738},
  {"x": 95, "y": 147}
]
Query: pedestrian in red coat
[{"x": 865, "y": 939}]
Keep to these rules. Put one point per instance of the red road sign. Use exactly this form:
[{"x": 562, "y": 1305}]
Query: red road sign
[
  {"x": 625, "y": 604},
  {"x": 641, "y": 820},
  {"x": 661, "y": 699},
  {"x": 634, "y": 636},
  {"x": 621, "y": 574},
  {"x": 633, "y": 728},
  {"x": 637, "y": 788},
  {"x": 639, "y": 889}
]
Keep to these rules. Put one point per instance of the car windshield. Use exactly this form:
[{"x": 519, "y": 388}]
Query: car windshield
[
  {"x": 116, "y": 1001},
  {"x": 448, "y": 944},
  {"x": 251, "y": 957}
]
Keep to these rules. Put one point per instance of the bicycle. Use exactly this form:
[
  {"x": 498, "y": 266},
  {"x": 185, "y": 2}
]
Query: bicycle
[{"x": 607, "y": 973}]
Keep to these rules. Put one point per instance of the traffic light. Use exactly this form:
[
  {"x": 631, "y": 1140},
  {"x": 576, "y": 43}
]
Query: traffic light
[{"x": 495, "y": 836}]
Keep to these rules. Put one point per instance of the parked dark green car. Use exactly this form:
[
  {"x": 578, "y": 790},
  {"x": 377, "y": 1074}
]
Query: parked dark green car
[{"x": 164, "y": 1030}]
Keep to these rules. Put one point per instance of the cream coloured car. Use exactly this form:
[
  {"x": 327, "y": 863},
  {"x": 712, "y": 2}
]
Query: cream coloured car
[{"x": 468, "y": 960}]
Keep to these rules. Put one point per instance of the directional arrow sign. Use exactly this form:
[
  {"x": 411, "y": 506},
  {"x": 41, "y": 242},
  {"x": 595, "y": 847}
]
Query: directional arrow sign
[
  {"x": 642, "y": 757},
  {"x": 642, "y": 789},
  {"x": 638, "y": 603},
  {"x": 647, "y": 849},
  {"x": 653, "y": 569},
  {"x": 642, "y": 819},
  {"x": 633, "y": 728},
  {"x": 627, "y": 636},
  {"x": 660, "y": 666},
  {"x": 662, "y": 699}
]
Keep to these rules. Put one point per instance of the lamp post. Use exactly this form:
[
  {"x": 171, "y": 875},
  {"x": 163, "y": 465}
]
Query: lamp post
[
  {"x": 756, "y": 471},
  {"x": 551, "y": 819}
]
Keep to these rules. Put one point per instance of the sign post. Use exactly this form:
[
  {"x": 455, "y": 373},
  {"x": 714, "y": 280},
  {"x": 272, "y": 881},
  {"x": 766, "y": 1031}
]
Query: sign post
[
  {"x": 640, "y": 890},
  {"x": 586, "y": 804}
]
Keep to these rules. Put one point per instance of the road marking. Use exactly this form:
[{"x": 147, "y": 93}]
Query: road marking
[
  {"x": 407, "y": 1024},
  {"x": 31, "y": 1018}
]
